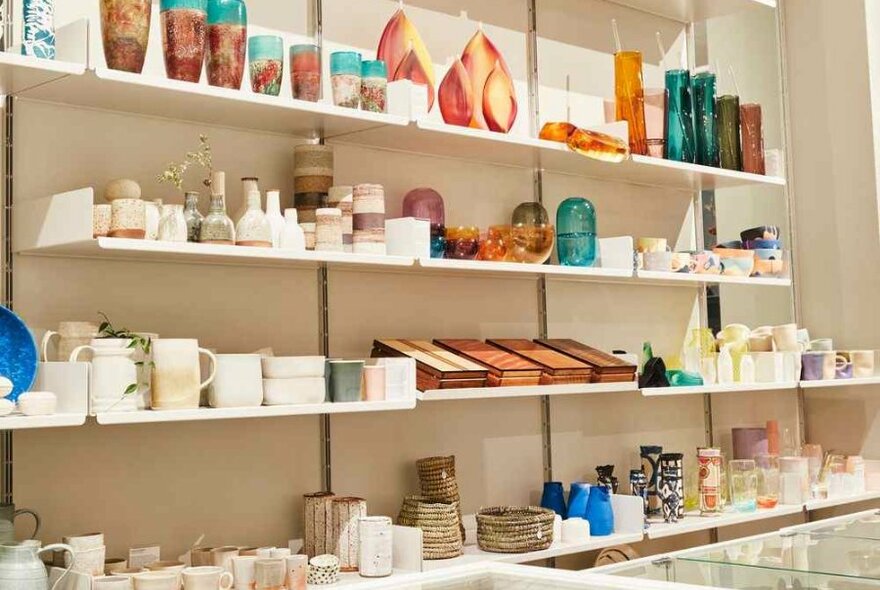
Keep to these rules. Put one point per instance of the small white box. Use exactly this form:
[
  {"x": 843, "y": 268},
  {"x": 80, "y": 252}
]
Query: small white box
[
  {"x": 407, "y": 99},
  {"x": 616, "y": 252},
  {"x": 408, "y": 236}
]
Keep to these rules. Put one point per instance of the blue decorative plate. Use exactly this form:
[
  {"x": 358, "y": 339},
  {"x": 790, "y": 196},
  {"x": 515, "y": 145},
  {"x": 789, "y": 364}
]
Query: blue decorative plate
[{"x": 18, "y": 353}]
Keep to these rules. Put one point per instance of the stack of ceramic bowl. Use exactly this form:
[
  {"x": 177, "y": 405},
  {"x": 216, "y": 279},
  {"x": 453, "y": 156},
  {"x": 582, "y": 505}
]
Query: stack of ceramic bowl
[
  {"x": 765, "y": 243},
  {"x": 312, "y": 179},
  {"x": 293, "y": 380},
  {"x": 323, "y": 570},
  {"x": 736, "y": 261},
  {"x": 89, "y": 552}
]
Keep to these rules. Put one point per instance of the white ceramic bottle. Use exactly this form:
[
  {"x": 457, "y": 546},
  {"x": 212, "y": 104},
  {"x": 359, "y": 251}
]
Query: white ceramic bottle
[
  {"x": 273, "y": 214},
  {"x": 152, "y": 215},
  {"x": 172, "y": 225},
  {"x": 253, "y": 229},
  {"x": 725, "y": 365},
  {"x": 292, "y": 236}
]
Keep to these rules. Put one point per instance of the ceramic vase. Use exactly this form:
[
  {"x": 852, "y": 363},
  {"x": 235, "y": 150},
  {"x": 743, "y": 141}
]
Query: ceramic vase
[
  {"x": 184, "y": 24},
  {"x": 376, "y": 546},
  {"x": 128, "y": 219},
  {"x": 172, "y": 225},
  {"x": 346, "y": 514},
  {"x": 217, "y": 228},
  {"x": 554, "y": 497},
  {"x": 673, "y": 463},
  {"x": 305, "y": 72},
  {"x": 599, "y": 513},
  {"x": 606, "y": 478},
  {"x": 638, "y": 486},
  {"x": 266, "y": 63},
  {"x": 345, "y": 78},
  {"x": 125, "y": 30},
  {"x": 710, "y": 486},
  {"x": 38, "y": 31},
  {"x": 273, "y": 214},
  {"x": 368, "y": 219},
  {"x": 328, "y": 230},
  {"x": 292, "y": 236},
  {"x": 227, "y": 42},
  {"x": 532, "y": 234},
  {"x": 374, "y": 85},
  {"x": 577, "y": 500},
  {"x": 576, "y": 243},
  {"x": 317, "y": 523},
  {"x": 192, "y": 216},
  {"x": 670, "y": 497},
  {"x": 650, "y": 456},
  {"x": 254, "y": 229}
]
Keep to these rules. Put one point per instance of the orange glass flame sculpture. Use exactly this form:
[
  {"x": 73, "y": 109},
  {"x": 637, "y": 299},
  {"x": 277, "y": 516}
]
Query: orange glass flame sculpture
[
  {"x": 499, "y": 101},
  {"x": 399, "y": 38},
  {"x": 411, "y": 68},
  {"x": 481, "y": 58},
  {"x": 455, "y": 96}
]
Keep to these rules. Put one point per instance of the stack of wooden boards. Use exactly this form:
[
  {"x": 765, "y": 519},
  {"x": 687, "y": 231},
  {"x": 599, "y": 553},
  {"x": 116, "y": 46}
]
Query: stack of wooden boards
[{"x": 460, "y": 363}]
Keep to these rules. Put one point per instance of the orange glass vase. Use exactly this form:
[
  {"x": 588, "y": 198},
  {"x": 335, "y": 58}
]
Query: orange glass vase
[
  {"x": 496, "y": 245},
  {"x": 629, "y": 98}
]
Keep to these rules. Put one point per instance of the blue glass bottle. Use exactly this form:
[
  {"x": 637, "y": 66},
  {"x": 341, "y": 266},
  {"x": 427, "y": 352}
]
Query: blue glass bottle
[
  {"x": 704, "y": 118},
  {"x": 553, "y": 497},
  {"x": 576, "y": 232},
  {"x": 577, "y": 500},
  {"x": 680, "y": 139},
  {"x": 599, "y": 512}
]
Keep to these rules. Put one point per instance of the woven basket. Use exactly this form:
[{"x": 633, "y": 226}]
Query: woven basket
[
  {"x": 506, "y": 529},
  {"x": 439, "y": 521},
  {"x": 437, "y": 480}
]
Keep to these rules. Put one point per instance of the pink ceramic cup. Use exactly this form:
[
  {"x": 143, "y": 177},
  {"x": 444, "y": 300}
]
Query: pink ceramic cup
[{"x": 374, "y": 383}]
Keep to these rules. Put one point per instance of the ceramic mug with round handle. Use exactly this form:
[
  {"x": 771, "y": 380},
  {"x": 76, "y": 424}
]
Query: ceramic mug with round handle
[
  {"x": 206, "y": 578},
  {"x": 69, "y": 336},
  {"x": 175, "y": 375}
]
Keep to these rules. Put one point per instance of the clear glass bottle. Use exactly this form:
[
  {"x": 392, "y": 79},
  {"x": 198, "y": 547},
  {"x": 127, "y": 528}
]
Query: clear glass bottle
[
  {"x": 217, "y": 228},
  {"x": 193, "y": 216}
]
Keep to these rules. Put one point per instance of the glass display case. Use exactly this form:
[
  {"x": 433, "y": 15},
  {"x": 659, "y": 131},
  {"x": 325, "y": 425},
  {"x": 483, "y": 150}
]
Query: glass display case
[{"x": 861, "y": 525}]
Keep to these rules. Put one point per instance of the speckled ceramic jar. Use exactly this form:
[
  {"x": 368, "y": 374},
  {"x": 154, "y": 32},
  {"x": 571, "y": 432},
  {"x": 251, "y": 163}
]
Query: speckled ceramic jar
[
  {"x": 101, "y": 220},
  {"x": 368, "y": 219},
  {"x": 127, "y": 219},
  {"x": 328, "y": 230}
]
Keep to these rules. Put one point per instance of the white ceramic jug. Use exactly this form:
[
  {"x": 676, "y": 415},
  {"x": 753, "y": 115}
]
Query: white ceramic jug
[
  {"x": 113, "y": 372},
  {"x": 22, "y": 569},
  {"x": 175, "y": 373}
]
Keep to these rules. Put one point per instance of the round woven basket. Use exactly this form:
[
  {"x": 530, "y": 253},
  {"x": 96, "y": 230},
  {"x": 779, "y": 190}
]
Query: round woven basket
[
  {"x": 439, "y": 521},
  {"x": 437, "y": 480},
  {"x": 507, "y": 529}
]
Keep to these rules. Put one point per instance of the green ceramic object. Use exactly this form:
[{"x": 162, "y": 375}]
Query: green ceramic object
[{"x": 346, "y": 378}]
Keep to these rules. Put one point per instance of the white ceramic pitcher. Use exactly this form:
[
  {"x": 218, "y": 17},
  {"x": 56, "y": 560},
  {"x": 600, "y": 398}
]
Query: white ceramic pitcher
[
  {"x": 113, "y": 372},
  {"x": 175, "y": 373},
  {"x": 22, "y": 569}
]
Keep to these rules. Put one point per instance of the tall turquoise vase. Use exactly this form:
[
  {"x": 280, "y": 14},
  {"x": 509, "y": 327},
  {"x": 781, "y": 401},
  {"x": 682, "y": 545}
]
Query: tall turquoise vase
[
  {"x": 680, "y": 138},
  {"x": 576, "y": 243}
]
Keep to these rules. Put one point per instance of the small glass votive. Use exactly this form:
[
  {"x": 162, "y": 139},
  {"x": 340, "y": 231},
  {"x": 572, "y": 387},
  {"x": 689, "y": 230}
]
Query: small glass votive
[
  {"x": 345, "y": 78},
  {"x": 768, "y": 480},
  {"x": 266, "y": 63},
  {"x": 462, "y": 243},
  {"x": 305, "y": 72},
  {"x": 374, "y": 85}
]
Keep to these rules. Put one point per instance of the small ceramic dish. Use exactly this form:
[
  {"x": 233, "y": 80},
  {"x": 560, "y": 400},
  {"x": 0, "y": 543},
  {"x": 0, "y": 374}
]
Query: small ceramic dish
[
  {"x": 38, "y": 403},
  {"x": 291, "y": 367},
  {"x": 762, "y": 232},
  {"x": 305, "y": 390},
  {"x": 6, "y": 406}
]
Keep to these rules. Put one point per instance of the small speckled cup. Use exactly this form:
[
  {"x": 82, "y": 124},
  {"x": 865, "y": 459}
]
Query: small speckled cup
[
  {"x": 101, "y": 220},
  {"x": 127, "y": 219}
]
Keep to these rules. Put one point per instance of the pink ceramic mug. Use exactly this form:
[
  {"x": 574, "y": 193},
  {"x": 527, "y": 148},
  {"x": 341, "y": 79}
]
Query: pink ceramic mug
[{"x": 374, "y": 383}]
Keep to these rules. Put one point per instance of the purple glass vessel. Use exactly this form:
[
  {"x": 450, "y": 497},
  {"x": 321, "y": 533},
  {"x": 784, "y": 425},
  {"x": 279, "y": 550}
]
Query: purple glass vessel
[{"x": 426, "y": 203}]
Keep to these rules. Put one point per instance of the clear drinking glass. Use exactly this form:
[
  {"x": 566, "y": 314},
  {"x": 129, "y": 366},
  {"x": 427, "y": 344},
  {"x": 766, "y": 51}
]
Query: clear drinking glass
[
  {"x": 743, "y": 485},
  {"x": 815, "y": 458},
  {"x": 768, "y": 480}
]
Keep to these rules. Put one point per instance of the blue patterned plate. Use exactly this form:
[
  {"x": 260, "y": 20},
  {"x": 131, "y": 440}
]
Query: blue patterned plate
[{"x": 18, "y": 353}]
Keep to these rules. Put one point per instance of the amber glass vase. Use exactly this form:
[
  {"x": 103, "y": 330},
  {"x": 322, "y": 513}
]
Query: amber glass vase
[
  {"x": 496, "y": 245},
  {"x": 629, "y": 97},
  {"x": 531, "y": 234}
]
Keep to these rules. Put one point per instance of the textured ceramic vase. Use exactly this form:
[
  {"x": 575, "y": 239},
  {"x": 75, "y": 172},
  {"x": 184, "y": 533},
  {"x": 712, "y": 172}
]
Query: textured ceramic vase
[
  {"x": 125, "y": 30},
  {"x": 650, "y": 456},
  {"x": 217, "y": 228},
  {"x": 184, "y": 31},
  {"x": 317, "y": 517},
  {"x": 305, "y": 72},
  {"x": 375, "y": 546},
  {"x": 253, "y": 229},
  {"x": 328, "y": 230},
  {"x": 368, "y": 219},
  {"x": 346, "y": 514},
  {"x": 227, "y": 42},
  {"x": 128, "y": 219}
]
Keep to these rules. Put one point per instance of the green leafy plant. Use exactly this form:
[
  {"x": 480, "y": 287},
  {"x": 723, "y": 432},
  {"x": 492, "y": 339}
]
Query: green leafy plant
[
  {"x": 203, "y": 157},
  {"x": 136, "y": 341}
]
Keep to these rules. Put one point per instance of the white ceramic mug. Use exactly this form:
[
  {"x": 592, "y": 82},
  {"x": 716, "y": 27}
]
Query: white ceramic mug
[
  {"x": 175, "y": 373},
  {"x": 206, "y": 578},
  {"x": 70, "y": 335},
  {"x": 243, "y": 571},
  {"x": 785, "y": 337},
  {"x": 238, "y": 382},
  {"x": 156, "y": 581},
  {"x": 297, "y": 567},
  {"x": 769, "y": 367},
  {"x": 112, "y": 374},
  {"x": 112, "y": 583},
  {"x": 863, "y": 363}
]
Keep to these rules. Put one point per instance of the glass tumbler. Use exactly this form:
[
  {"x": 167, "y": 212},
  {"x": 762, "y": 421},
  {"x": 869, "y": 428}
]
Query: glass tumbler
[
  {"x": 462, "y": 243},
  {"x": 532, "y": 234},
  {"x": 743, "y": 485},
  {"x": 768, "y": 480},
  {"x": 679, "y": 144},
  {"x": 629, "y": 97},
  {"x": 227, "y": 43},
  {"x": 266, "y": 63},
  {"x": 345, "y": 78},
  {"x": 305, "y": 72},
  {"x": 752, "y": 131},
  {"x": 655, "y": 121},
  {"x": 576, "y": 243},
  {"x": 183, "y": 38},
  {"x": 496, "y": 245},
  {"x": 374, "y": 85}
]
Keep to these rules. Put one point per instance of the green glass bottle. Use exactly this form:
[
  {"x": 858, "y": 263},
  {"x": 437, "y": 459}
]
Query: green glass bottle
[{"x": 679, "y": 145}]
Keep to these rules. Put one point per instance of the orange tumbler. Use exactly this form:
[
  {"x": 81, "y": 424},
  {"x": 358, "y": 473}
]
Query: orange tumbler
[{"x": 629, "y": 98}]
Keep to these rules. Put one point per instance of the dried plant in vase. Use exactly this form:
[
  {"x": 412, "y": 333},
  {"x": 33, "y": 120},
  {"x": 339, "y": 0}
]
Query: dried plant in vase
[{"x": 175, "y": 171}]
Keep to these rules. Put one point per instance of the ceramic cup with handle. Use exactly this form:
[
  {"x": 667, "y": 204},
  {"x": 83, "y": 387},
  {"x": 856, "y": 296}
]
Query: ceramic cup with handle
[
  {"x": 8, "y": 514},
  {"x": 69, "y": 336},
  {"x": 785, "y": 338},
  {"x": 243, "y": 571},
  {"x": 175, "y": 375},
  {"x": 238, "y": 382},
  {"x": 22, "y": 569},
  {"x": 206, "y": 578},
  {"x": 113, "y": 373},
  {"x": 160, "y": 580},
  {"x": 863, "y": 363}
]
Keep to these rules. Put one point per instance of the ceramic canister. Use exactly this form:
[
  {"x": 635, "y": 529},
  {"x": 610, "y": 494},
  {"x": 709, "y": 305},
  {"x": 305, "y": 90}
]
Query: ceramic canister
[
  {"x": 375, "y": 546},
  {"x": 312, "y": 178},
  {"x": 368, "y": 219},
  {"x": 709, "y": 462},
  {"x": 317, "y": 523},
  {"x": 347, "y": 513},
  {"x": 650, "y": 456},
  {"x": 341, "y": 198},
  {"x": 328, "y": 230},
  {"x": 127, "y": 219}
]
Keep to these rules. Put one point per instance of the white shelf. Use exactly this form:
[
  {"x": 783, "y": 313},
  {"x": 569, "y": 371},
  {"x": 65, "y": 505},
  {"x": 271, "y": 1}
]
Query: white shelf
[
  {"x": 672, "y": 278},
  {"x": 527, "y": 391},
  {"x": 473, "y": 554},
  {"x": 717, "y": 388},
  {"x": 831, "y": 502},
  {"x": 517, "y": 269},
  {"x": 21, "y": 422},
  {"x": 696, "y": 10},
  {"x": 693, "y": 522},
  {"x": 20, "y": 73},
  {"x": 149, "y": 416},
  {"x": 840, "y": 382}
]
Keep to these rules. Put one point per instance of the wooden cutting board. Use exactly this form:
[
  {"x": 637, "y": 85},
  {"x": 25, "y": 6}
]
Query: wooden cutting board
[
  {"x": 431, "y": 359},
  {"x": 500, "y": 362},
  {"x": 553, "y": 362},
  {"x": 606, "y": 367}
]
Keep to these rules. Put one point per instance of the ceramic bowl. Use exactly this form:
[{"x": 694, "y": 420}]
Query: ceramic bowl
[
  {"x": 764, "y": 245},
  {"x": 6, "y": 407},
  {"x": 734, "y": 253},
  {"x": 290, "y": 367},
  {"x": 731, "y": 245},
  {"x": 114, "y": 564},
  {"x": 762, "y": 232},
  {"x": 682, "y": 262},
  {"x": 85, "y": 541},
  {"x": 737, "y": 266},
  {"x": 707, "y": 262},
  {"x": 37, "y": 403},
  {"x": 305, "y": 390},
  {"x": 89, "y": 561}
]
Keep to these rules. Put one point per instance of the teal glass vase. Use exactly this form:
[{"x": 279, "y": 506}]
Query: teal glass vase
[
  {"x": 576, "y": 243},
  {"x": 679, "y": 145},
  {"x": 704, "y": 118}
]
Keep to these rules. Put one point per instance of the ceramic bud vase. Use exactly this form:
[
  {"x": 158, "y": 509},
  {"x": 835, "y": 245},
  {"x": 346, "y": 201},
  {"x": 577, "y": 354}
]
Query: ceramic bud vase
[
  {"x": 273, "y": 214},
  {"x": 317, "y": 523},
  {"x": 553, "y": 497},
  {"x": 172, "y": 225},
  {"x": 125, "y": 30},
  {"x": 674, "y": 463},
  {"x": 193, "y": 217},
  {"x": 650, "y": 456},
  {"x": 217, "y": 228},
  {"x": 346, "y": 514},
  {"x": 184, "y": 25},
  {"x": 253, "y": 229},
  {"x": 227, "y": 42},
  {"x": 375, "y": 559},
  {"x": 292, "y": 235},
  {"x": 577, "y": 500},
  {"x": 38, "y": 34},
  {"x": 599, "y": 513}
]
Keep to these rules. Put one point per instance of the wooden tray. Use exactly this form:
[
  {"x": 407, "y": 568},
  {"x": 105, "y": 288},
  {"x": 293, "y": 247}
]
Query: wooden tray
[
  {"x": 607, "y": 368},
  {"x": 433, "y": 360},
  {"x": 553, "y": 363},
  {"x": 500, "y": 362},
  {"x": 425, "y": 381},
  {"x": 494, "y": 381}
]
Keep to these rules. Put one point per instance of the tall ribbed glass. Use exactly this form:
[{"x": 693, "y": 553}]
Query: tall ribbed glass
[
  {"x": 704, "y": 118},
  {"x": 680, "y": 141},
  {"x": 729, "y": 147},
  {"x": 629, "y": 98}
]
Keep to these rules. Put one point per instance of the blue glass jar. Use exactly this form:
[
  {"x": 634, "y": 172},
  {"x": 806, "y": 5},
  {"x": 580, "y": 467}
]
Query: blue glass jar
[
  {"x": 576, "y": 243},
  {"x": 599, "y": 512},
  {"x": 553, "y": 497},
  {"x": 679, "y": 145},
  {"x": 577, "y": 500}
]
